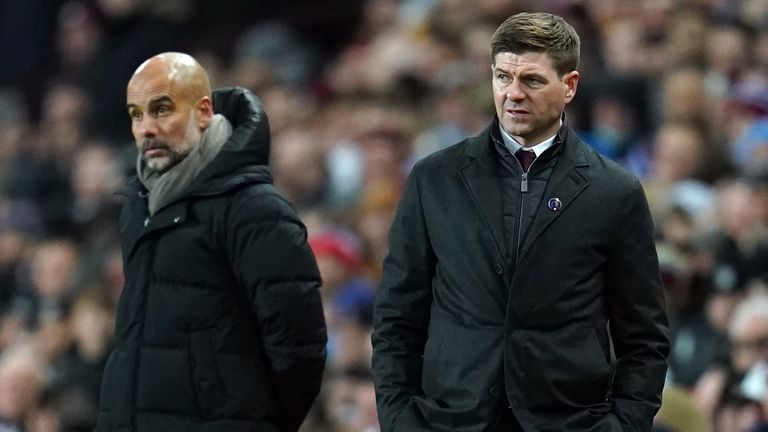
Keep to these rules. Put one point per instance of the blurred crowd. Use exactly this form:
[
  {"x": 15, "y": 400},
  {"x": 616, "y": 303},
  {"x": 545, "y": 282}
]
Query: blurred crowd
[{"x": 356, "y": 92}]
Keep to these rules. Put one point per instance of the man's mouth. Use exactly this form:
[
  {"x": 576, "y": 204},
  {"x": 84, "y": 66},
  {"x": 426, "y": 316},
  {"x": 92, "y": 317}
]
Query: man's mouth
[
  {"x": 516, "y": 112},
  {"x": 150, "y": 150},
  {"x": 154, "y": 152}
]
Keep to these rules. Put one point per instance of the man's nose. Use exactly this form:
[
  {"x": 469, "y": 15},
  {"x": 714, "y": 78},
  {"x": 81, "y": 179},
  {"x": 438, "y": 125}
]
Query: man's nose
[
  {"x": 148, "y": 126},
  {"x": 514, "y": 92}
]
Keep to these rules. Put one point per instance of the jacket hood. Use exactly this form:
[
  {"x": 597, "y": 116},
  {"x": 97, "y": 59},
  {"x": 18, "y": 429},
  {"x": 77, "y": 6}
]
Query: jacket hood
[{"x": 244, "y": 158}]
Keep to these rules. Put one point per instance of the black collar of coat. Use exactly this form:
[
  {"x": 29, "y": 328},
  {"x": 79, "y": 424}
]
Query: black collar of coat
[{"x": 566, "y": 143}]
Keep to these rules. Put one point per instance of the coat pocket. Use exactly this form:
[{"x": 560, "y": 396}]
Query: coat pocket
[
  {"x": 571, "y": 369},
  {"x": 432, "y": 360},
  {"x": 205, "y": 375}
]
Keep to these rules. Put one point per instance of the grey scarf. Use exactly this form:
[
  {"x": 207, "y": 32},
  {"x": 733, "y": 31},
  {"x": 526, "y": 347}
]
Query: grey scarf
[{"x": 170, "y": 185}]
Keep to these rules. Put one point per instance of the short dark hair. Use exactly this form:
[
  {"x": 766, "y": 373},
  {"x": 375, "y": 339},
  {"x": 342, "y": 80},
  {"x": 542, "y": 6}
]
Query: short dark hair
[{"x": 539, "y": 32}]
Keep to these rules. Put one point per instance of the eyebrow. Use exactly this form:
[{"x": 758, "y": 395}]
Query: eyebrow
[
  {"x": 152, "y": 102},
  {"x": 160, "y": 99},
  {"x": 524, "y": 73}
]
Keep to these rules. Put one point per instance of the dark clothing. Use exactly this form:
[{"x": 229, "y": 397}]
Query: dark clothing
[
  {"x": 697, "y": 348},
  {"x": 761, "y": 426},
  {"x": 736, "y": 267},
  {"x": 508, "y": 422},
  {"x": 220, "y": 325},
  {"x": 73, "y": 372},
  {"x": 566, "y": 326},
  {"x": 41, "y": 182},
  {"x": 519, "y": 209}
]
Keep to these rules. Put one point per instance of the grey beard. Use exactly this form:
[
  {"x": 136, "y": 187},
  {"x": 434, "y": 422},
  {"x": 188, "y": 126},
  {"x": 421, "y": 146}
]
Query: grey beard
[
  {"x": 165, "y": 184},
  {"x": 162, "y": 165}
]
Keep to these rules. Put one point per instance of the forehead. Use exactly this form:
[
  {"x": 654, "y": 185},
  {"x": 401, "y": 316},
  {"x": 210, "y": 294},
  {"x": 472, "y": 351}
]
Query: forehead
[
  {"x": 538, "y": 61},
  {"x": 149, "y": 84}
]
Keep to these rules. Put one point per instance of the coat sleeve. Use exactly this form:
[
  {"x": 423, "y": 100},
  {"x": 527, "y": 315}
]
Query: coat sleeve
[
  {"x": 275, "y": 266},
  {"x": 402, "y": 310},
  {"x": 637, "y": 316}
]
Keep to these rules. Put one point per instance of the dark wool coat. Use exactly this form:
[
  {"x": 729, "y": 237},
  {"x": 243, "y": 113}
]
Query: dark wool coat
[
  {"x": 572, "y": 336},
  {"x": 220, "y": 325}
]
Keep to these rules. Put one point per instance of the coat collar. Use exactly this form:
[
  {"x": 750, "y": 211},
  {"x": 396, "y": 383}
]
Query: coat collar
[{"x": 566, "y": 182}]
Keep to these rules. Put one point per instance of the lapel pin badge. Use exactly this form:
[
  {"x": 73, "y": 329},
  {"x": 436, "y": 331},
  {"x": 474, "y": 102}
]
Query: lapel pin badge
[{"x": 554, "y": 204}]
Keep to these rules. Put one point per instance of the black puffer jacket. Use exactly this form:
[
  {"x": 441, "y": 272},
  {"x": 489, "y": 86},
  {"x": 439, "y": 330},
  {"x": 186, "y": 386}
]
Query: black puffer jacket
[{"x": 220, "y": 325}]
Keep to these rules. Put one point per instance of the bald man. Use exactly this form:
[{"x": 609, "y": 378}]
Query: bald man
[{"x": 220, "y": 325}]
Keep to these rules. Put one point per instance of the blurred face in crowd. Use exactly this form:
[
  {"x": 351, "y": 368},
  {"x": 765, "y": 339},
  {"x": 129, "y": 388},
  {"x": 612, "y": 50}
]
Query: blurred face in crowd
[
  {"x": 727, "y": 49},
  {"x": 750, "y": 343},
  {"x": 169, "y": 106},
  {"x": 299, "y": 165},
  {"x": 530, "y": 95},
  {"x": 678, "y": 152},
  {"x": 95, "y": 173},
  {"x": 53, "y": 265},
  {"x": 683, "y": 94},
  {"x": 20, "y": 380},
  {"x": 738, "y": 212}
]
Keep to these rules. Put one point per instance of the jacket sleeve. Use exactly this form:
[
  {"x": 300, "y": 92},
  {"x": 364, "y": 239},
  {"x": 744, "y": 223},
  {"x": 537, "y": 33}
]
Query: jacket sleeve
[
  {"x": 402, "y": 311},
  {"x": 274, "y": 264},
  {"x": 638, "y": 322}
]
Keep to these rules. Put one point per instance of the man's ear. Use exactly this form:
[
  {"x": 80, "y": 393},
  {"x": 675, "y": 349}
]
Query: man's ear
[
  {"x": 204, "y": 108},
  {"x": 571, "y": 83}
]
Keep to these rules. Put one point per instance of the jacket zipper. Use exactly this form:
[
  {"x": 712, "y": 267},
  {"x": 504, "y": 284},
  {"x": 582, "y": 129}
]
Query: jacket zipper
[{"x": 523, "y": 193}]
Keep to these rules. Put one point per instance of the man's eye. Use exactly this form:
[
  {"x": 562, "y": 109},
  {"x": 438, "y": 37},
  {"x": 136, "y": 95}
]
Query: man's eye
[
  {"x": 501, "y": 77},
  {"x": 135, "y": 115},
  {"x": 162, "y": 110}
]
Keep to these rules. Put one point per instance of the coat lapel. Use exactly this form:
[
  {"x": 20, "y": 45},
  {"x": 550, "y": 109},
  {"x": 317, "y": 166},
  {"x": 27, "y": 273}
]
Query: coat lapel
[
  {"x": 480, "y": 176},
  {"x": 566, "y": 183}
]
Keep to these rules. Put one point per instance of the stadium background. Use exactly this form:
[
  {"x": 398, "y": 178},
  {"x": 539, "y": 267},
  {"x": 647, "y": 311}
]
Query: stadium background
[{"x": 356, "y": 92}]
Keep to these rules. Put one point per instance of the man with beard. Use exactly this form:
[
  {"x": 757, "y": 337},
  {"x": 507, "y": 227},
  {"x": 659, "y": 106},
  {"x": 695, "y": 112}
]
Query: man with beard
[{"x": 220, "y": 325}]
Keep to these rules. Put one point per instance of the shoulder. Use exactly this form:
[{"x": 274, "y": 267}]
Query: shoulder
[
  {"x": 260, "y": 201},
  {"x": 606, "y": 172},
  {"x": 450, "y": 159}
]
